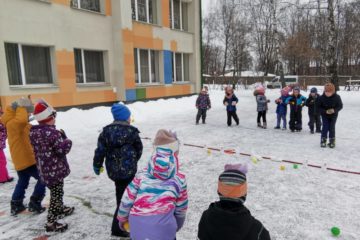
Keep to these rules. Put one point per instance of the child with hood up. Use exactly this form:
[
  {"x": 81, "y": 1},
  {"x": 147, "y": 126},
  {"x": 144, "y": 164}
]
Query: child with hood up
[
  {"x": 4, "y": 175},
  {"x": 281, "y": 109},
  {"x": 51, "y": 147},
  {"x": 262, "y": 106},
  {"x": 229, "y": 219},
  {"x": 314, "y": 114},
  {"x": 230, "y": 102},
  {"x": 330, "y": 104},
  {"x": 202, "y": 104},
  {"x": 155, "y": 202},
  {"x": 297, "y": 102},
  {"x": 119, "y": 144}
]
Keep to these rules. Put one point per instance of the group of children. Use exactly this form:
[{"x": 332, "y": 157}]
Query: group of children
[
  {"x": 322, "y": 109},
  {"x": 151, "y": 203}
]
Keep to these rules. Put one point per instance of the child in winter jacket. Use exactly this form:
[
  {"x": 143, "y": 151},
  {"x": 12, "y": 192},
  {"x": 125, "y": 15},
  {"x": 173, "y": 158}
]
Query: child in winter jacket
[
  {"x": 262, "y": 106},
  {"x": 296, "y": 101},
  {"x": 202, "y": 104},
  {"x": 229, "y": 219},
  {"x": 155, "y": 202},
  {"x": 51, "y": 147},
  {"x": 230, "y": 102},
  {"x": 281, "y": 109},
  {"x": 330, "y": 104},
  {"x": 119, "y": 144},
  {"x": 4, "y": 175},
  {"x": 16, "y": 121},
  {"x": 314, "y": 114}
]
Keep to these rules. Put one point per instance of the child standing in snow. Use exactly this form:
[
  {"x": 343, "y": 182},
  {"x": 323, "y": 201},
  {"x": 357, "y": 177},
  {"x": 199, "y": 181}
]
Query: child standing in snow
[
  {"x": 281, "y": 109},
  {"x": 229, "y": 219},
  {"x": 330, "y": 104},
  {"x": 230, "y": 102},
  {"x": 4, "y": 175},
  {"x": 120, "y": 144},
  {"x": 314, "y": 114},
  {"x": 155, "y": 202},
  {"x": 262, "y": 106},
  {"x": 51, "y": 147},
  {"x": 296, "y": 101},
  {"x": 202, "y": 104}
]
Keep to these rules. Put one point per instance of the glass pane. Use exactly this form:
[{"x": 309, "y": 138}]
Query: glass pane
[
  {"x": 94, "y": 66},
  {"x": 78, "y": 66},
  {"x": 177, "y": 14},
  {"x": 37, "y": 64},
  {"x": 133, "y": 10},
  {"x": 136, "y": 66},
  {"x": 92, "y": 5},
  {"x": 142, "y": 10},
  {"x": 154, "y": 66},
  {"x": 170, "y": 11},
  {"x": 152, "y": 11},
  {"x": 178, "y": 67},
  {"x": 172, "y": 66},
  {"x": 13, "y": 63},
  {"x": 186, "y": 67},
  {"x": 144, "y": 66},
  {"x": 184, "y": 12}
]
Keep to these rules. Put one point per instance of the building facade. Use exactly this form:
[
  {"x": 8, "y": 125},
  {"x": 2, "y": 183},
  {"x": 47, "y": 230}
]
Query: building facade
[{"x": 80, "y": 52}]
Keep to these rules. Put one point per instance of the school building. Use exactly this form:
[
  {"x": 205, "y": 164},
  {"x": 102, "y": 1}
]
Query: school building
[{"x": 83, "y": 52}]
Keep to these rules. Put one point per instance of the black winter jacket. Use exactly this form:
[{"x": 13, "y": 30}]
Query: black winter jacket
[
  {"x": 227, "y": 220},
  {"x": 332, "y": 102},
  {"x": 313, "y": 104}
]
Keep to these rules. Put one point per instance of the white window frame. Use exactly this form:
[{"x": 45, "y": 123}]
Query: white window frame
[
  {"x": 22, "y": 67},
  {"x": 149, "y": 65},
  {"x": 79, "y": 7},
  {"x": 147, "y": 12},
  {"x": 84, "y": 69},
  {"x": 172, "y": 16},
  {"x": 182, "y": 68}
]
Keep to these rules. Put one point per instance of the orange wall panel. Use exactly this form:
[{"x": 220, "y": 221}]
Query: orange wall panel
[
  {"x": 108, "y": 8},
  {"x": 173, "y": 46},
  {"x": 62, "y": 2},
  {"x": 143, "y": 30},
  {"x": 165, "y": 5},
  {"x": 155, "y": 92}
]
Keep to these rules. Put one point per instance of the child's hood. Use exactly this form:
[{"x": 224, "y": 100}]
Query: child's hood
[{"x": 163, "y": 164}]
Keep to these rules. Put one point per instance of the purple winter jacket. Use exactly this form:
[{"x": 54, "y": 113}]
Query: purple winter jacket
[
  {"x": 50, "y": 148},
  {"x": 2, "y": 136}
]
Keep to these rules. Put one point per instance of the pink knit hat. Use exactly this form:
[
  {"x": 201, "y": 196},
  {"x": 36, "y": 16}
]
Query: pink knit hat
[{"x": 166, "y": 139}]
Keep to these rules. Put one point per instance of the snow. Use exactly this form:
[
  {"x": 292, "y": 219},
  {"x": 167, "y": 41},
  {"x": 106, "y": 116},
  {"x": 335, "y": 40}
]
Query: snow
[{"x": 303, "y": 203}]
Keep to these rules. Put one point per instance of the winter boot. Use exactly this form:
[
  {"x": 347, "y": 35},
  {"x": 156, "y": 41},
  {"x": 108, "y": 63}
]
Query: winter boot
[
  {"x": 66, "y": 211},
  {"x": 259, "y": 125},
  {"x": 332, "y": 143},
  {"x": 312, "y": 131},
  {"x": 56, "y": 227},
  {"x": 277, "y": 127},
  {"x": 264, "y": 125},
  {"x": 17, "y": 207},
  {"x": 323, "y": 142},
  {"x": 35, "y": 205}
]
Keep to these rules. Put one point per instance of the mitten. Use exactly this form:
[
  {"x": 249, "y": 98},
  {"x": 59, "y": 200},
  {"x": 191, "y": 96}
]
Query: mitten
[
  {"x": 330, "y": 111},
  {"x": 63, "y": 134},
  {"x": 98, "y": 170}
]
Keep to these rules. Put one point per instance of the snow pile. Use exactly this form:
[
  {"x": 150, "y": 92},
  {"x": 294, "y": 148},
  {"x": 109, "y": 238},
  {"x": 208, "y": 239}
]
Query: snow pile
[{"x": 301, "y": 203}]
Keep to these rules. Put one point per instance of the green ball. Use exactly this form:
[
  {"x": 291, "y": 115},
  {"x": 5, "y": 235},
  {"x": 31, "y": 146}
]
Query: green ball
[
  {"x": 296, "y": 166},
  {"x": 335, "y": 231}
]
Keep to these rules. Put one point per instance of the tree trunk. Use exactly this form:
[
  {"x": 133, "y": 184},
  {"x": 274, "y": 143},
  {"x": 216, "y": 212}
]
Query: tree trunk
[{"x": 332, "y": 58}]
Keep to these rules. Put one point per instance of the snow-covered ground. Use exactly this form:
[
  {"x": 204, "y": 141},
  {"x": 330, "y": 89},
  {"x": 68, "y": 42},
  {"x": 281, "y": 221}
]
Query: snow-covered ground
[{"x": 301, "y": 203}]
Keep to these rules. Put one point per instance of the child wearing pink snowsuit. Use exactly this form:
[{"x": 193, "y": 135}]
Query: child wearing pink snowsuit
[
  {"x": 155, "y": 202},
  {"x": 4, "y": 175}
]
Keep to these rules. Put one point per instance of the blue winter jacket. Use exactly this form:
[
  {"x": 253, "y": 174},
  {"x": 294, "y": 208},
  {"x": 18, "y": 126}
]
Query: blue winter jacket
[
  {"x": 120, "y": 146},
  {"x": 296, "y": 103},
  {"x": 282, "y": 107},
  {"x": 230, "y": 107}
]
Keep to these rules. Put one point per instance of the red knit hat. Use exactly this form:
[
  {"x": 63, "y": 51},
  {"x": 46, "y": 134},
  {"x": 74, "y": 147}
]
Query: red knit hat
[{"x": 43, "y": 112}]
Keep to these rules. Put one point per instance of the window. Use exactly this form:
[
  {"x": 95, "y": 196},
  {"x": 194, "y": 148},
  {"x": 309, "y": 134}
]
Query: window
[
  {"x": 28, "y": 64},
  {"x": 180, "y": 67},
  {"x": 178, "y": 15},
  {"x": 89, "y": 66},
  {"x": 146, "y": 66},
  {"x": 144, "y": 11},
  {"x": 91, "y": 5}
]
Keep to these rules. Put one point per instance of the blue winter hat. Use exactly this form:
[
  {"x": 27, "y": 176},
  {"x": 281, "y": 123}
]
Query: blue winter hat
[
  {"x": 120, "y": 112},
  {"x": 313, "y": 90}
]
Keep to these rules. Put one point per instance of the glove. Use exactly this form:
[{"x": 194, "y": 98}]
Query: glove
[
  {"x": 268, "y": 101},
  {"x": 63, "y": 134},
  {"x": 98, "y": 170},
  {"x": 124, "y": 226},
  {"x": 330, "y": 111},
  {"x": 226, "y": 103},
  {"x": 233, "y": 103},
  {"x": 26, "y": 103},
  {"x": 14, "y": 105},
  {"x": 209, "y": 108}
]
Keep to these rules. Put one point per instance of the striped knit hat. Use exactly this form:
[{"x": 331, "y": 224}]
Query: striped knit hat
[{"x": 232, "y": 185}]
